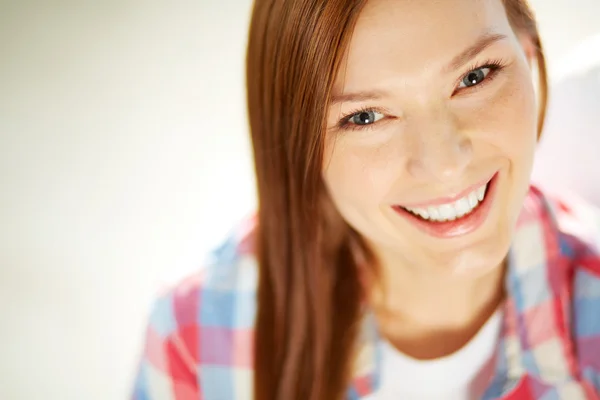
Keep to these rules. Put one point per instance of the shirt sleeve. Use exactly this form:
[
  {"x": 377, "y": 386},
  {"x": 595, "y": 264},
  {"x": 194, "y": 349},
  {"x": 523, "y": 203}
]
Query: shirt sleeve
[{"x": 167, "y": 369}]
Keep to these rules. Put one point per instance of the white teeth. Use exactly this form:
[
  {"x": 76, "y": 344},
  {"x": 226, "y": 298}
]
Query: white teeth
[
  {"x": 480, "y": 193},
  {"x": 452, "y": 211},
  {"x": 473, "y": 200},
  {"x": 434, "y": 213},
  {"x": 462, "y": 206},
  {"x": 447, "y": 211}
]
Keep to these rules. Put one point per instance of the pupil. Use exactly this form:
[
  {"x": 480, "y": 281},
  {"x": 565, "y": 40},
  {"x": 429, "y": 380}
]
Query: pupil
[
  {"x": 474, "y": 77},
  {"x": 364, "y": 118}
]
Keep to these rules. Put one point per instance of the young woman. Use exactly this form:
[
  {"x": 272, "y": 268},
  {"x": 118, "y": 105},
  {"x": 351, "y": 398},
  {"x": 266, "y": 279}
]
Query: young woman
[{"x": 399, "y": 251}]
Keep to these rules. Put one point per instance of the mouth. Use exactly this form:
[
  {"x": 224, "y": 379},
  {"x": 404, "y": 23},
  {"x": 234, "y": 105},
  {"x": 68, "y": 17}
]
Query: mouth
[{"x": 453, "y": 218}]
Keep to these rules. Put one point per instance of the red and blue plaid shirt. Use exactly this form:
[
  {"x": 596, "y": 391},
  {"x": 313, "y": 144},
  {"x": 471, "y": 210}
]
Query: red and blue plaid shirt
[{"x": 199, "y": 342}]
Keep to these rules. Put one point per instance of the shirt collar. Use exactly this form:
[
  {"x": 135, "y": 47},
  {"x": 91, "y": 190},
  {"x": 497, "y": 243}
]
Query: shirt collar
[{"x": 535, "y": 343}]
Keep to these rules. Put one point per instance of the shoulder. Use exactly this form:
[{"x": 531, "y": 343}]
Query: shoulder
[
  {"x": 199, "y": 334},
  {"x": 212, "y": 296},
  {"x": 578, "y": 232},
  {"x": 561, "y": 232},
  {"x": 577, "y": 225},
  {"x": 216, "y": 302}
]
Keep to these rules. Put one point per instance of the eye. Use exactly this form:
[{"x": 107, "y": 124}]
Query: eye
[
  {"x": 475, "y": 77},
  {"x": 366, "y": 117}
]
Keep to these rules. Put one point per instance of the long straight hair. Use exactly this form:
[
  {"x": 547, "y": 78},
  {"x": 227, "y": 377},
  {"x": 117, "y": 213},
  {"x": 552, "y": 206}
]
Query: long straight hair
[{"x": 309, "y": 294}]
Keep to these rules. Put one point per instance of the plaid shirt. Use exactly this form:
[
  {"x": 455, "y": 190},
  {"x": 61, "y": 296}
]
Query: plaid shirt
[{"x": 200, "y": 334}]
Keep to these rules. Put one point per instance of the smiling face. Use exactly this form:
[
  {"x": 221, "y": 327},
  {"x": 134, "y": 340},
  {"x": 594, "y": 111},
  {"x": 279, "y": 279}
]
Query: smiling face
[{"x": 433, "y": 114}]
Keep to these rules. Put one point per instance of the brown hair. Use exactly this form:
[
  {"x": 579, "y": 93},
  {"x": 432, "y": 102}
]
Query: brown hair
[{"x": 309, "y": 291}]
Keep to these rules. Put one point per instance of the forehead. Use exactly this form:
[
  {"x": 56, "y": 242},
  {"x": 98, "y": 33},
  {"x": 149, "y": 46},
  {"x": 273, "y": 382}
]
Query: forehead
[{"x": 404, "y": 37}]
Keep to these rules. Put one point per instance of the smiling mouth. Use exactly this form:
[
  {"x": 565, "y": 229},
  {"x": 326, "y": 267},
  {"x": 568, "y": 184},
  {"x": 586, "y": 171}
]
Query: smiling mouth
[
  {"x": 452, "y": 217},
  {"x": 455, "y": 210}
]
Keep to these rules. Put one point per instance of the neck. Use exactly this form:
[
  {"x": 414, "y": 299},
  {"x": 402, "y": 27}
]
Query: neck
[{"x": 429, "y": 314}]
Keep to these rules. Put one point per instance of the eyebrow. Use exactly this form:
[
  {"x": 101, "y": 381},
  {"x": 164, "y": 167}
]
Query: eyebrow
[
  {"x": 358, "y": 97},
  {"x": 484, "y": 41}
]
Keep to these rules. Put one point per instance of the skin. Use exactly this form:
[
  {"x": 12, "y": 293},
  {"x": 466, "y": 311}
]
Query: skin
[{"x": 433, "y": 137}]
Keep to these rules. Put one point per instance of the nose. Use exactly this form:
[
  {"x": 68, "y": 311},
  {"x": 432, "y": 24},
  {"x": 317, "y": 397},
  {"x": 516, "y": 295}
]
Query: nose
[{"x": 442, "y": 152}]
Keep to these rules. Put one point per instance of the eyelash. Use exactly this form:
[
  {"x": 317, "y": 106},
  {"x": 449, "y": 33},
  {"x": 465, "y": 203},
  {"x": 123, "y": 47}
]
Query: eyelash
[
  {"x": 495, "y": 66},
  {"x": 345, "y": 121}
]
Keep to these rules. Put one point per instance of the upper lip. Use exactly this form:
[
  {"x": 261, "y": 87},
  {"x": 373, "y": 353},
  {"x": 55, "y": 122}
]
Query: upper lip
[{"x": 449, "y": 199}]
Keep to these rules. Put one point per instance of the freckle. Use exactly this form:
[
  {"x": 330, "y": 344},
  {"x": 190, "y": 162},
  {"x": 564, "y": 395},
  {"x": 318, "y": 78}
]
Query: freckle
[{"x": 465, "y": 146}]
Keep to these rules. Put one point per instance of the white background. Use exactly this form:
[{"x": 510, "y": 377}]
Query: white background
[{"x": 123, "y": 157}]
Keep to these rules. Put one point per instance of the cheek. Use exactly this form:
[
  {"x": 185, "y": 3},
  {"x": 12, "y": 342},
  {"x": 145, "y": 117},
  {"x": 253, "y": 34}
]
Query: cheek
[
  {"x": 359, "y": 174},
  {"x": 508, "y": 120}
]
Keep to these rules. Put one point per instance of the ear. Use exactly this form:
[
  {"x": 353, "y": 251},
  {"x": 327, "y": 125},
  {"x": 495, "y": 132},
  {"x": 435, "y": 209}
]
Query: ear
[{"x": 529, "y": 48}]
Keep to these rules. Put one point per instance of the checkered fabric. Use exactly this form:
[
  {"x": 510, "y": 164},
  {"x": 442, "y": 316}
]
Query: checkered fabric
[{"x": 199, "y": 340}]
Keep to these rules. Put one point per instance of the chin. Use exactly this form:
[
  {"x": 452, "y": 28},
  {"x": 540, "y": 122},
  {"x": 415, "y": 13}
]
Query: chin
[
  {"x": 471, "y": 260},
  {"x": 483, "y": 257}
]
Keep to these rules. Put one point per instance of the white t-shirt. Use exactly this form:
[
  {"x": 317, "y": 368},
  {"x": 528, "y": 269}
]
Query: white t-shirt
[{"x": 463, "y": 375}]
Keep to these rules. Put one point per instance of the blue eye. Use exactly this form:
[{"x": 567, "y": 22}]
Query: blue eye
[
  {"x": 475, "y": 77},
  {"x": 366, "y": 117}
]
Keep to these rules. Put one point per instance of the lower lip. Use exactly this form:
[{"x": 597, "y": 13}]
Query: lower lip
[{"x": 458, "y": 227}]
